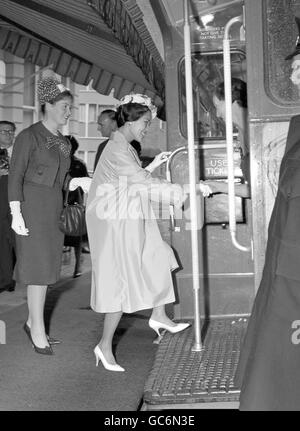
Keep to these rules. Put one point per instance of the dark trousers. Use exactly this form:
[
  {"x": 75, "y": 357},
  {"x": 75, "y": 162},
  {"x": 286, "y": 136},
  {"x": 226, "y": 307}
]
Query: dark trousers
[{"x": 7, "y": 254}]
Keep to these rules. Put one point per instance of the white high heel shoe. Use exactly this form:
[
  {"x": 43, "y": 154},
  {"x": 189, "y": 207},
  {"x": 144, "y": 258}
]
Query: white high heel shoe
[
  {"x": 156, "y": 326},
  {"x": 100, "y": 357}
]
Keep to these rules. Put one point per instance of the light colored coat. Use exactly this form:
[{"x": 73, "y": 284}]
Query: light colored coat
[{"x": 131, "y": 264}]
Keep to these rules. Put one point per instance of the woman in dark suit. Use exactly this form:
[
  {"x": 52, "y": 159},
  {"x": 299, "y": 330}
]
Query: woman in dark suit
[{"x": 39, "y": 165}]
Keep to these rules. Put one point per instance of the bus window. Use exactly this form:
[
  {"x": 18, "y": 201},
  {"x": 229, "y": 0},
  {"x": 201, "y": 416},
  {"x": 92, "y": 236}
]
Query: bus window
[
  {"x": 207, "y": 74},
  {"x": 207, "y": 71},
  {"x": 278, "y": 42}
]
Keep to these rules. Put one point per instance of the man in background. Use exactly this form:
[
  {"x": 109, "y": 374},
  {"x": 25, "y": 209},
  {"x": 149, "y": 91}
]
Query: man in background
[
  {"x": 106, "y": 125},
  {"x": 7, "y": 246}
]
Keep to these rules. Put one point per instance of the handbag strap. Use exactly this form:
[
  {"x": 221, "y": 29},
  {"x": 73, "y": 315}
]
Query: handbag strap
[
  {"x": 66, "y": 199},
  {"x": 67, "y": 193}
]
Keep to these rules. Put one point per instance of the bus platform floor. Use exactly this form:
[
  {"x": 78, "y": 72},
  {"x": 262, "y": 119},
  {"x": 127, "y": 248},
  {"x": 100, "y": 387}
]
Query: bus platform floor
[
  {"x": 69, "y": 380},
  {"x": 182, "y": 378}
]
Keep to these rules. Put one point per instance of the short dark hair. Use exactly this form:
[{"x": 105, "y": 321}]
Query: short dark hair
[
  {"x": 110, "y": 113},
  {"x": 8, "y": 123},
  {"x": 137, "y": 146},
  {"x": 74, "y": 143},
  {"x": 61, "y": 96},
  {"x": 130, "y": 112},
  {"x": 238, "y": 92}
]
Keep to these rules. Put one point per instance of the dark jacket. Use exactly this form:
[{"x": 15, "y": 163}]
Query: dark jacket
[
  {"x": 4, "y": 207},
  {"x": 293, "y": 133},
  {"x": 33, "y": 162},
  {"x": 77, "y": 170},
  {"x": 269, "y": 360},
  {"x": 99, "y": 152}
]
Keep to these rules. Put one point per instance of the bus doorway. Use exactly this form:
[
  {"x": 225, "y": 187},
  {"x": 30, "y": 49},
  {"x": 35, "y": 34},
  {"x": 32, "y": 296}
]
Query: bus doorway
[
  {"x": 227, "y": 272},
  {"x": 183, "y": 377}
]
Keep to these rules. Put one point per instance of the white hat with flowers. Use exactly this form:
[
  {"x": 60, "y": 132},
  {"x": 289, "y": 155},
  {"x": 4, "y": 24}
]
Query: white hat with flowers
[{"x": 141, "y": 99}]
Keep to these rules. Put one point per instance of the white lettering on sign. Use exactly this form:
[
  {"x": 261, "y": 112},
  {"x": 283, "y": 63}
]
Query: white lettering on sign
[
  {"x": 218, "y": 162},
  {"x": 213, "y": 33},
  {"x": 217, "y": 172},
  {"x": 217, "y": 168}
]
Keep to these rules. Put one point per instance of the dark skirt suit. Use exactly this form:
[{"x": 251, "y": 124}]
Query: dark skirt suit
[
  {"x": 269, "y": 367},
  {"x": 7, "y": 240},
  {"x": 37, "y": 177}
]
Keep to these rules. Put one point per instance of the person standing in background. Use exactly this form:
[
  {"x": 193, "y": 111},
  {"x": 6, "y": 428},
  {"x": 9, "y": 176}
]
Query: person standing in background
[
  {"x": 107, "y": 124},
  {"x": 7, "y": 240},
  {"x": 240, "y": 121},
  {"x": 77, "y": 170}
]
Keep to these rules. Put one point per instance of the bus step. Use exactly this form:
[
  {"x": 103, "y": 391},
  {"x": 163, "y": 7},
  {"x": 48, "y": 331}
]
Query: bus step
[{"x": 182, "y": 378}]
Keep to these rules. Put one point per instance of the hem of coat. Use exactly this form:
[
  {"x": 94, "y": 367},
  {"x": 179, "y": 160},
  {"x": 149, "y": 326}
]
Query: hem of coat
[
  {"x": 36, "y": 283},
  {"x": 129, "y": 311}
]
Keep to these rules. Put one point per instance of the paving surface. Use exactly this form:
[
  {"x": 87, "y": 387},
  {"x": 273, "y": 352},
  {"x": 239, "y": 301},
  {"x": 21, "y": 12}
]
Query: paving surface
[{"x": 69, "y": 380}]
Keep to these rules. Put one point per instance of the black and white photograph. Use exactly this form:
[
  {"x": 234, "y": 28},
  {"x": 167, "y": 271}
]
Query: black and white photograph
[{"x": 149, "y": 208}]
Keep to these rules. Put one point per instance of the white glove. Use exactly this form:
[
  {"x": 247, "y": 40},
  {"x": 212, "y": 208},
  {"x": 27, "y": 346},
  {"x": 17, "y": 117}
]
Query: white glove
[
  {"x": 205, "y": 189},
  {"x": 3, "y": 171},
  {"x": 18, "y": 224},
  {"x": 83, "y": 182},
  {"x": 158, "y": 160},
  {"x": 161, "y": 158}
]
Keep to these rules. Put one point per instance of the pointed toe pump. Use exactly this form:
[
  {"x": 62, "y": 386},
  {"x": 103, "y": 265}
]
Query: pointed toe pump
[
  {"x": 50, "y": 339},
  {"x": 156, "y": 326},
  {"x": 47, "y": 350},
  {"x": 100, "y": 357}
]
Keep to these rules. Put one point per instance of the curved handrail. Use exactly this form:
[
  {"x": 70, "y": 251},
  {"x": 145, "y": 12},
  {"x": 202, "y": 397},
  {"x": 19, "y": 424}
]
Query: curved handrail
[
  {"x": 169, "y": 176},
  {"x": 229, "y": 133}
]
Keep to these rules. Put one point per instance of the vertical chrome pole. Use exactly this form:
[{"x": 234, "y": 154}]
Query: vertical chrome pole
[
  {"x": 229, "y": 132},
  {"x": 192, "y": 175}
]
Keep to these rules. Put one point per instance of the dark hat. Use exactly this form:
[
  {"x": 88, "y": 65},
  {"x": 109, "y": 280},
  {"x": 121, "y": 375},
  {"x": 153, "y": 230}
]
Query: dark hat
[
  {"x": 48, "y": 89},
  {"x": 297, "y": 49}
]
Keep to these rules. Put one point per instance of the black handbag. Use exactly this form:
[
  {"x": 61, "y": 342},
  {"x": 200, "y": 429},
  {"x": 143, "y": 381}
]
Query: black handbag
[{"x": 72, "y": 219}]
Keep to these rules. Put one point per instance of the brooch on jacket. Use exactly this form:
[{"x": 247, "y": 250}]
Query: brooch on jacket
[{"x": 64, "y": 146}]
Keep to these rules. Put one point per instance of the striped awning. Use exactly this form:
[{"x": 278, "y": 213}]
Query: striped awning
[{"x": 101, "y": 40}]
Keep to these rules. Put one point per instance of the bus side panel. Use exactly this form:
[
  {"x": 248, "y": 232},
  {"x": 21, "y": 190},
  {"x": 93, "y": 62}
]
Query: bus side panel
[{"x": 267, "y": 142}]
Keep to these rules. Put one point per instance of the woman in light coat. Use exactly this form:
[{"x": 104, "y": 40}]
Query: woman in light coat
[{"x": 131, "y": 264}]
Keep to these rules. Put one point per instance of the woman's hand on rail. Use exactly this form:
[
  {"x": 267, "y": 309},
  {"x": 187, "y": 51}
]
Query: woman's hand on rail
[
  {"x": 83, "y": 182},
  {"x": 158, "y": 160},
  {"x": 3, "y": 171},
  {"x": 205, "y": 189}
]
